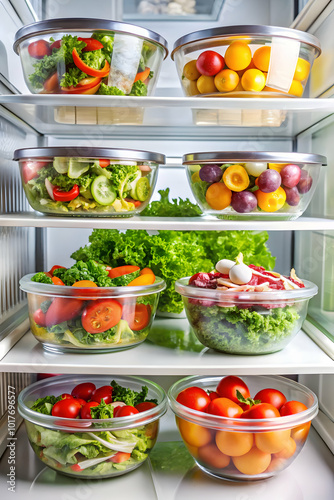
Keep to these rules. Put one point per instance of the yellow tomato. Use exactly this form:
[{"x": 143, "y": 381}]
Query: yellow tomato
[
  {"x": 226, "y": 80},
  {"x": 190, "y": 71},
  {"x": 252, "y": 463},
  {"x": 253, "y": 80},
  {"x": 302, "y": 70},
  {"x": 296, "y": 88},
  {"x": 238, "y": 56},
  {"x": 277, "y": 166},
  {"x": 192, "y": 88},
  {"x": 234, "y": 444},
  {"x": 236, "y": 178},
  {"x": 211, "y": 456},
  {"x": 218, "y": 196},
  {"x": 206, "y": 84},
  {"x": 271, "y": 202},
  {"x": 193, "y": 434},
  {"x": 261, "y": 58},
  {"x": 195, "y": 177},
  {"x": 272, "y": 442},
  {"x": 288, "y": 450},
  {"x": 300, "y": 432}
]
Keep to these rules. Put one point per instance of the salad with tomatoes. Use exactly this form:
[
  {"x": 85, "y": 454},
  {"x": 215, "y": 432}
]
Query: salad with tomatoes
[
  {"x": 92, "y": 306},
  {"x": 244, "y": 309},
  {"x": 93, "y": 430}
]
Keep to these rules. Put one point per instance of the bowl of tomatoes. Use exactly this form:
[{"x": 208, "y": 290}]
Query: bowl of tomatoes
[
  {"x": 89, "y": 56},
  {"x": 243, "y": 429},
  {"x": 91, "y": 307},
  {"x": 253, "y": 185},
  {"x": 245, "y": 61},
  {"x": 92, "y": 426}
]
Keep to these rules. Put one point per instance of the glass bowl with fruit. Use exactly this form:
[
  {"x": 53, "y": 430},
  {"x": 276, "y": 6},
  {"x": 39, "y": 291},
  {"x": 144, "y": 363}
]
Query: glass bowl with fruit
[
  {"x": 92, "y": 426},
  {"x": 84, "y": 181},
  {"x": 245, "y": 61},
  {"x": 243, "y": 429},
  {"x": 253, "y": 185}
]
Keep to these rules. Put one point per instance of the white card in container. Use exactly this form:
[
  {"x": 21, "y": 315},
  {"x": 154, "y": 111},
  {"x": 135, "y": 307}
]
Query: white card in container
[{"x": 283, "y": 61}]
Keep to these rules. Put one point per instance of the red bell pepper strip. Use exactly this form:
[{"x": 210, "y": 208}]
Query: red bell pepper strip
[
  {"x": 87, "y": 69},
  {"x": 60, "y": 195},
  {"x": 91, "y": 44}
]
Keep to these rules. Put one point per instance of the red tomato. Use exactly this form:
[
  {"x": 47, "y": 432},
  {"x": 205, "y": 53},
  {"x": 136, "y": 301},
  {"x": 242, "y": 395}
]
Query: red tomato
[
  {"x": 120, "y": 456},
  {"x": 83, "y": 391},
  {"x": 125, "y": 411},
  {"x": 39, "y": 317},
  {"x": 39, "y": 49},
  {"x": 30, "y": 169},
  {"x": 91, "y": 44},
  {"x": 51, "y": 83},
  {"x": 292, "y": 407},
  {"x": 81, "y": 401},
  {"x": 209, "y": 63},
  {"x": 262, "y": 410},
  {"x": 60, "y": 195},
  {"x": 65, "y": 395},
  {"x": 55, "y": 45},
  {"x": 213, "y": 395},
  {"x": 100, "y": 315},
  {"x": 104, "y": 392},
  {"x": 53, "y": 268},
  {"x": 85, "y": 410},
  {"x": 224, "y": 408},
  {"x": 138, "y": 317},
  {"x": 145, "y": 406},
  {"x": 271, "y": 396},
  {"x": 228, "y": 387},
  {"x": 104, "y": 163},
  {"x": 62, "y": 310},
  {"x": 195, "y": 398},
  {"x": 66, "y": 408}
]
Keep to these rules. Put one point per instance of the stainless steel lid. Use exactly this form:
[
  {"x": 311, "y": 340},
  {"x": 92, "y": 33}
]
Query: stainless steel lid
[
  {"x": 84, "y": 152},
  {"x": 246, "y": 30},
  {"x": 244, "y": 156},
  {"x": 86, "y": 24}
]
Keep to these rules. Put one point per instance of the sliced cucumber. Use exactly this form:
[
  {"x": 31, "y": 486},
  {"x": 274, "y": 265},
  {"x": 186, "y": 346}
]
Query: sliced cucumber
[
  {"x": 133, "y": 185},
  {"x": 103, "y": 191},
  {"x": 60, "y": 164},
  {"x": 77, "y": 168},
  {"x": 143, "y": 189}
]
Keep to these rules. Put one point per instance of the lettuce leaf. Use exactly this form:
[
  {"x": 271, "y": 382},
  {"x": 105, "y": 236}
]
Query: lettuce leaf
[{"x": 175, "y": 208}]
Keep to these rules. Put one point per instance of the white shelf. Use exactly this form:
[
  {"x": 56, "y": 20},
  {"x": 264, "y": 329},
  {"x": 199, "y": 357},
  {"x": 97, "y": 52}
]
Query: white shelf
[
  {"x": 309, "y": 477},
  {"x": 302, "y": 355},
  {"x": 167, "y": 117},
  {"x": 33, "y": 219}
]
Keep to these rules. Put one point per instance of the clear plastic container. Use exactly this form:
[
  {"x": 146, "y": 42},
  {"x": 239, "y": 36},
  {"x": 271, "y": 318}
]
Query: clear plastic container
[
  {"x": 245, "y": 61},
  {"x": 57, "y": 440},
  {"x": 90, "y": 56},
  {"x": 83, "y": 181},
  {"x": 57, "y": 315},
  {"x": 253, "y": 185},
  {"x": 244, "y": 449},
  {"x": 245, "y": 322}
]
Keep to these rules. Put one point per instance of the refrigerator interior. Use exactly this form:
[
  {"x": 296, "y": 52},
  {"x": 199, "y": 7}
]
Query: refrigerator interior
[{"x": 30, "y": 243}]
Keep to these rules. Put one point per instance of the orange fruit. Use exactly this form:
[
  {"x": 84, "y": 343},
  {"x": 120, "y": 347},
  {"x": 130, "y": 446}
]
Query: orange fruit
[
  {"x": 206, "y": 84},
  {"x": 190, "y": 71},
  {"x": 226, "y": 80},
  {"x": 252, "y": 463},
  {"x": 253, "y": 80},
  {"x": 238, "y": 56},
  {"x": 218, "y": 196},
  {"x": 296, "y": 88},
  {"x": 302, "y": 70},
  {"x": 261, "y": 58},
  {"x": 192, "y": 88}
]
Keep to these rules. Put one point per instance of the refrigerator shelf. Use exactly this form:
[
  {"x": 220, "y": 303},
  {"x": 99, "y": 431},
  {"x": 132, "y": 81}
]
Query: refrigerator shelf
[
  {"x": 161, "y": 117},
  {"x": 302, "y": 355}
]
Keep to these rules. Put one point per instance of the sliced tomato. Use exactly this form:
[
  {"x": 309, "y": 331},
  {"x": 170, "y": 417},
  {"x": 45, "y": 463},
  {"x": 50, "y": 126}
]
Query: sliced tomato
[
  {"x": 83, "y": 85},
  {"x": 120, "y": 457},
  {"x": 62, "y": 310},
  {"x": 39, "y": 49},
  {"x": 104, "y": 163},
  {"x": 30, "y": 169},
  {"x": 91, "y": 44},
  {"x": 101, "y": 73},
  {"x": 57, "y": 281},
  {"x": 60, "y": 195},
  {"x": 143, "y": 74},
  {"x": 85, "y": 284},
  {"x": 136, "y": 203},
  {"x": 101, "y": 315},
  {"x": 138, "y": 318},
  {"x": 53, "y": 268},
  {"x": 121, "y": 270}
]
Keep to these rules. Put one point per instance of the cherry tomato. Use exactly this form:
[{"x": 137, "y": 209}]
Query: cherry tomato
[
  {"x": 224, "y": 408},
  {"x": 39, "y": 317},
  {"x": 228, "y": 387},
  {"x": 212, "y": 456},
  {"x": 288, "y": 450},
  {"x": 218, "y": 196},
  {"x": 83, "y": 391},
  {"x": 104, "y": 163},
  {"x": 91, "y": 44},
  {"x": 39, "y": 49},
  {"x": 66, "y": 408},
  {"x": 252, "y": 463},
  {"x": 104, "y": 392},
  {"x": 62, "y": 310},
  {"x": 55, "y": 45},
  {"x": 261, "y": 410},
  {"x": 81, "y": 401},
  {"x": 65, "y": 395},
  {"x": 273, "y": 441},
  {"x": 271, "y": 396},
  {"x": 212, "y": 395},
  {"x": 125, "y": 411},
  {"x": 30, "y": 169},
  {"x": 209, "y": 63},
  {"x": 60, "y": 195},
  {"x": 292, "y": 407},
  {"x": 146, "y": 405},
  {"x": 193, "y": 434},
  {"x": 101, "y": 315},
  {"x": 234, "y": 444},
  {"x": 85, "y": 410},
  {"x": 120, "y": 457},
  {"x": 195, "y": 398},
  {"x": 137, "y": 317}
]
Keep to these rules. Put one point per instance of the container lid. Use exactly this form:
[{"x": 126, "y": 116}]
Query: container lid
[
  {"x": 84, "y": 152},
  {"x": 86, "y": 24},
  {"x": 244, "y": 156},
  {"x": 248, "y": 30}
]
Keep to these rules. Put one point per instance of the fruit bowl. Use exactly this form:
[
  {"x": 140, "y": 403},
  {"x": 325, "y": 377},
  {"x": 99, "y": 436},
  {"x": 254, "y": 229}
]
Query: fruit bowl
[{"x": 253, "y": 185}]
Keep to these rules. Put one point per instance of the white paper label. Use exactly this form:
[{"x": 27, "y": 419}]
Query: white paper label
[
  {"x": 124, "y": 62},
  {"x": 283, "y": 61}
]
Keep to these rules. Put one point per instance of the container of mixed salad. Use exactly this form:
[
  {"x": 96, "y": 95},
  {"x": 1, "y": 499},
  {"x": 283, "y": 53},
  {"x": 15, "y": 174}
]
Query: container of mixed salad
[
  {"x": 253, "y": 185},
  {"x": 240, "y": 309},
  {"x": 88, "y": 181},
  {"x": 92, "y": 426},
  {"x": 91, "y": 307},
  {"x": 89, "y": 56}
]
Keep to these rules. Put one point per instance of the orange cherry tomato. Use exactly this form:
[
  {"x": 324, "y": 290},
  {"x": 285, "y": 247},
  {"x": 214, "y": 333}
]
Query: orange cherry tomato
[
  {"x": 234, "y": 444},
  {"x": 193, "y": 434},
  {"x": 288, "y": 450},
  {"x": 261, "y": 58},
  {"x": 85, "y": 284},
  {"x": 206, "y": 84},
  {"x": 211, "y": 456},
  {"x": 218, "y": 196},
  {"x": 226, "y": 80},
  {"x": 273, "y": 441},
  {"x": 236, "y": 178},
  {"x": 302, "y": 70},
  {"x": 252, "y": 463},
  {"x": 271, "y": 202},
  {"x": 190, "y": 71},
  {"x": 238, "y": 56},
  {"x": 253, "y": 80},
  {"x": 300, "y": 432}
]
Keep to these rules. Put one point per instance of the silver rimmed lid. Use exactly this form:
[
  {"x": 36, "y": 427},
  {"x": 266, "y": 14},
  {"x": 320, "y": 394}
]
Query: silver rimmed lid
[
  {"x": 244, "y": 156},
  {"x": 89, "y": 25},
  {"x": 248, "y": 30},
  {"x": 84, "y": 152}
]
